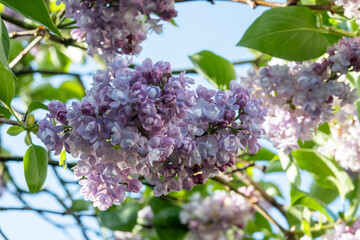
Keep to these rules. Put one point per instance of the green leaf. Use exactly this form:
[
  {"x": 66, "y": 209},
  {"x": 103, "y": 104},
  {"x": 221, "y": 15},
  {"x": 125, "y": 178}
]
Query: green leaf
[
  {"x": 217, "y": 70},
  {"x": 158, "y": 203},
  {"x": 123, "y": 218},
  {"x": 7, "y": 89},
  {"x": 4, "y": 112},
  {"x": 15, "y": 130},
  {"x": 4, "y": 45},
  {"x": 36, "y": 105},
  {"x": 80, "y": 205},
  {"x": 289, "y": 33},
  {"x": 294, "y": 216},
  {"x": 167, "y": 224},
  {"x": 299, "y": 197},
  {"x": 35, "y": 10},
  {"x": 67, "y": 90},
  {"x": 326, "y": 195},
  {"x": 354, "y": 197},
  {"x": 306, "y": 220},
  {"x": 274, "y": 165},
  {"x": 35, "y": 167},
  {"x": 62, "y": 161},
  {"x": 326, "y": 172},
  {"x": 270, "y": 188},
  {"x": 261, "y": 155},
  {"x": 325, "y": 128},
  {"x": 291, "y": 168},
  {"x": 259, "y": 224},
  {"x": 27, "y": 140}
]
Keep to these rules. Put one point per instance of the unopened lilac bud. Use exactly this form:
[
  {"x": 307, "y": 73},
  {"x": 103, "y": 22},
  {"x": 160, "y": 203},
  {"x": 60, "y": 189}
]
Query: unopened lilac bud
[{"x": 134, "y": 185}]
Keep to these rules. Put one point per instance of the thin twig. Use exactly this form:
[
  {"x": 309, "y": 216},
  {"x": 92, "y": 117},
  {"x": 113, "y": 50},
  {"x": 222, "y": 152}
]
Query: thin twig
[
  {"x": 18, "y": 22},
  {"x": 19, "y": 193},
  {"x": 41, "y": 211},
  {"x": 3, "y": 235},
  {"x": 76, "y": 217},
  {"x": 67, "y": 42},
  {"x": 8, "y": 121},
  {"x": 26, "y": 50},
  {"x": 248, "y": 181},
  {"x": 257, "y": 207},
  {"x": 252, "y": 164},
  {"x": 20, "y": 159},
  {"x": 255, "y": 3},
  {"x": 23, "y": 33}
]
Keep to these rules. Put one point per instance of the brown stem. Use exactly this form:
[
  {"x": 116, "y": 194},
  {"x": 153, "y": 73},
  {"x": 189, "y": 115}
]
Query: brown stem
[
  {"x": 248, "y": 181},
  {"x": 256, "y": 206},
  {"x": 8, "y": 121},
  {"x": 23, "y": 33},
  {"x": 41, "y": 211},
  {"x": 255, "y": 3},
  {"x": 20, "y": 159},
  {"x": 18, "y": 22},
  {"x": 26, "y": 50}
]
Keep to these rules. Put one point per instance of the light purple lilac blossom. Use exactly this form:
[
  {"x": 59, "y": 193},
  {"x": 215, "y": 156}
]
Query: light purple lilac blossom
[
  {"x": 351, "y": 8},
  {"x": 344, "y": 143},
  {"x": 119, "y": 235},
  {"x": 215, "y": 216},
  {"x": 146, "y": 122},
  {"x": 117, "y": 27},
  {"x": 344, "y": 232},
  {"x": 299, "y": 95}
]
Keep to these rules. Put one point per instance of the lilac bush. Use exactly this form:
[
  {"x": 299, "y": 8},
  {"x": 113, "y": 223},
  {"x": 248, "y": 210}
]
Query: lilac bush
[
  {"x": 300, "y": 95},
  {"x": 215, "y": 216},
  {"x": 147, "y": 122},
  {"x": 117, "y": 27}
]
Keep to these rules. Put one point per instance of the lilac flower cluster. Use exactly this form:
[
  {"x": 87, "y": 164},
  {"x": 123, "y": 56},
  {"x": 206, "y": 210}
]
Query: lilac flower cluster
[
  {"x": 148, "y": 123},
  {"x": 119, "y": 235},
  {"x": 344, "y": 56},
  {"x": 216, "y": 216},
  {"x": 111, "y": 27},
  {"x": 344, "y": 232},
  {"x": 344, "y": 143},
  {"x": 300, "y": 95},
  {"x": 351, "y": 8}
]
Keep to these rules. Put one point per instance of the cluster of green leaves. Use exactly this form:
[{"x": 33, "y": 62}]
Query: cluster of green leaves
[{"x": 19, "y": 82}]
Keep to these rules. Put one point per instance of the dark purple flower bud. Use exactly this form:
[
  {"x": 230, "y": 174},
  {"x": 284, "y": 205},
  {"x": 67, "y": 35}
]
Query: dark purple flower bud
[
  {"x": 87, "y": 108},
  {"x": 134, "y": 185},
  {"x": 199, "y": 179},
  {"x": 169, "y": 100},
  {"x": 58, "y": 111}
]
